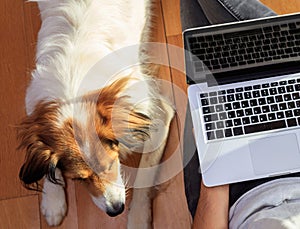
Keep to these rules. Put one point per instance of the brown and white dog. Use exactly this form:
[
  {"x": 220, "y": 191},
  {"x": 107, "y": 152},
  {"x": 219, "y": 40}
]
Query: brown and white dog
[{"x": 81, "y": 123}]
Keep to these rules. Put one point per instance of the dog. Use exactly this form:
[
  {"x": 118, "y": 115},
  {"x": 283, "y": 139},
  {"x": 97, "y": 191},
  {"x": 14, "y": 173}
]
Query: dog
[{"x": 81, "y": 124}]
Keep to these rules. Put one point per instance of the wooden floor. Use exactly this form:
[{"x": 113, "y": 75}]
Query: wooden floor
[{"x": 19, "y": 207}]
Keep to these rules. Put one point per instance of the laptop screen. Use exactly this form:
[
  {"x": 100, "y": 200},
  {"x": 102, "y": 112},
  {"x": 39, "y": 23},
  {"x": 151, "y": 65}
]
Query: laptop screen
[{"x": 241, "y": 51}]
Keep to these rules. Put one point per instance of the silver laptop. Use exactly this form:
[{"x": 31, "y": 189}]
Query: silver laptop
[{"x": 244, "y": 96}]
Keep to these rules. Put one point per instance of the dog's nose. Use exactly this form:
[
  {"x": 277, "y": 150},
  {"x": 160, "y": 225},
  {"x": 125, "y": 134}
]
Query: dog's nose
[{"x": 116, "y": 209}]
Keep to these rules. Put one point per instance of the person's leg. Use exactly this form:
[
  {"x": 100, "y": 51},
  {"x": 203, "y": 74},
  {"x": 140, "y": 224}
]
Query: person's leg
[
  {"x": 196, "y": 13},
  {"x": 191, "y": 14},
  {"x": 247, "y": 9},
  {"x": 191, "y": 171},
  {"x": 216, "y": 12},
  {"x": 220, "y": 11}
]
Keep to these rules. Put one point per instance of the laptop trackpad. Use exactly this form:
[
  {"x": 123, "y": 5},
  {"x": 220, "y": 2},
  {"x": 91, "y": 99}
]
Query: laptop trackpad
[{"x": 275, "y": 154}]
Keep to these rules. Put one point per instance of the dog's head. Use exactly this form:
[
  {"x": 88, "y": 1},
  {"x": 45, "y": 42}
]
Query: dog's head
[{"x": 83, "y": 140}]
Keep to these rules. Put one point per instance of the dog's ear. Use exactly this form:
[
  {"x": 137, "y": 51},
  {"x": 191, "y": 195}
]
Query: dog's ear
[
  {"x": 39, "y": 161},
  {"x": 36, "y": 138}
]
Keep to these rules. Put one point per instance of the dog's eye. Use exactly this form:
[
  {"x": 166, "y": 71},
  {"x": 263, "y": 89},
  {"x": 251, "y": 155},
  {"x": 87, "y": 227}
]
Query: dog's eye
[
  {"x": 112, "y": 144},
  {"x": 79, "y": 179}
]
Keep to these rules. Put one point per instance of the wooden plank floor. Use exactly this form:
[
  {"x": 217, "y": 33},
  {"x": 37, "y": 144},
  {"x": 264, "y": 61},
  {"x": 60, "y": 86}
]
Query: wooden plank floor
[{"x": 19, "y": 207}]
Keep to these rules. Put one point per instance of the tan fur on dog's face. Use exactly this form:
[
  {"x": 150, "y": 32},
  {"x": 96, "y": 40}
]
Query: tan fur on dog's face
[
  {"x": 83, "y": 149},
  {"x": 95, "y": 170}
]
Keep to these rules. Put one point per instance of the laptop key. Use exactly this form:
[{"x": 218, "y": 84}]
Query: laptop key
[
  {"x": 256, "y": 94},
  {"x": 248, "y": 112},
  {"x": 297, "y": 87},
  {"x": 280, "y": 115},
  {"x": 265, "y": 85},
  {"x": 282, "y": 106},
  {"x": 204, "y": 102},
  {"x": 262, "y": 101},
  {"x": 213, "y": 93},
  {"x": 231, "y": 114},
  {"x": 271, "y": 116},
  {"x": 230, "y": 98},
  {"x": 239, "y": 89},
  {"x": 228, "y": 123},
  {"x": 247, "y": 95},
  {"x": 211, "y": 135},
  {"x": 228, "y": 106},
  {"x": 289, "y": 114},
  {"x": 228, "y": 133},
  {"x": 230, "y": 91},
  {"x": 209, "y": 118},
  {"x": 256, "y": 110},
  {"x": 222, "y": 99},
  {"x": 278, "y": 98},
  {"x": 222, "y": 92},
  {"x": 220, "y": 125},
  {"x": 213, "y": 100},
  {"x": 219, "y": 134},
  {"x": 210, "y": 126},
  {"x": 236, "y": 105},
  {"x": 238, "y": 131},
  {"x": 292, "y": 81},
  {"x": 245, "y": 104},
  {"x": 264, "y": 92},
  {"x": 284, "y": 82},
  {"x": 254, "y": 119},
  {"x": 296, "y": 96},
  {"x": 265, "y": 109},
  {"x": 273, "y": 91},
  {"x": 208, "y": 110},
  {"x": 239, "y": 113},
  {"x": 246, "y": 120},
  {"x": 290, "y": 88},
  {"x": 222, "y": 116},
  {"x": 253, "y": 102},
  {"x": 281, "y": 90},
  {"x": 219, "y": 108},
  {"x": 291, "y": 105},
  {"x": 297, "y": 112},
  {"x": 239, "y": 96},
  {"x": 287, "y": 97},
  {"x": 237, "y": 122},
  {"x": 270, "y": 100},
  {"x": 264, "y": 127},
  {"x": 263, "y": 118},
  {"x": 274, "y": 107}
]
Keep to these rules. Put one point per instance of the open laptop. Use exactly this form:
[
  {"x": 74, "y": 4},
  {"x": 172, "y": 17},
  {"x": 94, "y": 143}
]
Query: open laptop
[{"x": 244, "y": 96}]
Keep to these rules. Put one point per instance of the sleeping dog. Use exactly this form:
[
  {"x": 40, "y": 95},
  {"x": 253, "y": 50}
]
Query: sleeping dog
[{"x": 83, "y": 127}]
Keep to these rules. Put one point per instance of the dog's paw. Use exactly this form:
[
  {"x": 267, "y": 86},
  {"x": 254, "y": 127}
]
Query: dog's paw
[
  {"x": 54, "y": 213},
  {"x": 53, "y": 205},
  {"x": 140, "y": 215}
]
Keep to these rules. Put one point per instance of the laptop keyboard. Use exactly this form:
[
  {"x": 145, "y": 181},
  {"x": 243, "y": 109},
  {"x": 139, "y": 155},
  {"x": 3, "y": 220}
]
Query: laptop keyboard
[
  {"x": 248, "y": 47},
  {"x": 251, "y": 109}
]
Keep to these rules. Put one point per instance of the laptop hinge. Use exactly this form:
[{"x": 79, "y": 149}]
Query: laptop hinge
[{"x": 253, "y": 73}]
